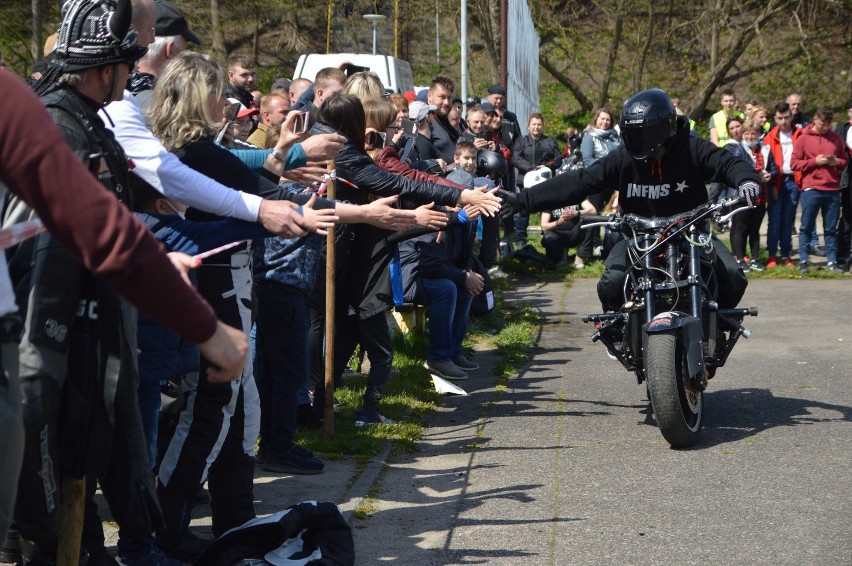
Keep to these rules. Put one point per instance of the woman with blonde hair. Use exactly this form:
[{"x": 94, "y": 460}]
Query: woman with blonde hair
[
  {"x": 365, "y": 85},
  {"x": 217, "y": 431}
]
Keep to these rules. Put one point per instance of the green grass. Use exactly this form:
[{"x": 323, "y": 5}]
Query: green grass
[
  {"x": 790, "y": 272},
  {"x": 409, "y": 395}
]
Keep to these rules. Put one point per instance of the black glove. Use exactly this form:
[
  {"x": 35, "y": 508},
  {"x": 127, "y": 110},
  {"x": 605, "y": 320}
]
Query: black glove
[
  {"x": 509, "y": 199},
  {"x": 749, "y": 191}
]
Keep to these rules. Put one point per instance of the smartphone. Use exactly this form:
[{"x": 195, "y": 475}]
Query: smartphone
[
  {"x": 409, "y": 145},
  {"x": 351, "y": 69},
  {"x": 377, "y": 140},
  {"x": 409, "y": 128},
  {"x": 231, "y": 111},
  {"x": 300, "y": 124}
]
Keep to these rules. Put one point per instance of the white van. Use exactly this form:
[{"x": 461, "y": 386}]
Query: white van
[{"x": 394, "y": 73}]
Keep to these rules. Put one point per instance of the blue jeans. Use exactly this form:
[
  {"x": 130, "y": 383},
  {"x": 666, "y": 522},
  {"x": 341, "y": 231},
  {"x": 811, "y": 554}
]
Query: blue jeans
[
  {"x": 814, "y": 201},
  {"x": 447, "y": 318},
  {"x": 148, "y": 391},
  {"x": 781, "y": 213}
]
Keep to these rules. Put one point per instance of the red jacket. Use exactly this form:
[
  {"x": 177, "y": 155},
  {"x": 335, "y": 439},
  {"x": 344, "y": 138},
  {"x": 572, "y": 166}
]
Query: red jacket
[
  {"x": 807, "y": 147},
  {"x": 773, "y": 140},
  {"x": 388, "y": 159}
]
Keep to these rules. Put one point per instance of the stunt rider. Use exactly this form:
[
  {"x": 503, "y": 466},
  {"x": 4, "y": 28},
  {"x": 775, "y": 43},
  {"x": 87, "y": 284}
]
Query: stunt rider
[{"x": 659, "y": 170}]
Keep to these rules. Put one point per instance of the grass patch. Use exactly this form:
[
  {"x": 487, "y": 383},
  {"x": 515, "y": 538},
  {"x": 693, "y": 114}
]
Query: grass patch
[
  {"x": 365, "y": 509},
  {"x": 409, "y": 395}
]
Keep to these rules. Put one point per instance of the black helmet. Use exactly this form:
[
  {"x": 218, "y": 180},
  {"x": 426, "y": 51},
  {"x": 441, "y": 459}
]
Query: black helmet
[
  {"x": 96, "y": 33},
  {"x": 648, "y": 121},
  {"x": 491, "y": 164}
]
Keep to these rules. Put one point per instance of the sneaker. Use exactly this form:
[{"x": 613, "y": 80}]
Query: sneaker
[
  {"x": 293, "y": 461},
  {"x": 816, "y": 250},
  {"x": 10, "y": 550},
  {"x": 833, "y": 267},
  {"x": 371, "y": 418},
  {"x": 743, "y": 265},
  {"x": 187, "y": 549},
  {"x": 578, "y": 263},
  {"x": 772, "y": 263},
  {"x": 787, "y": 262},
  {"x": 465, "y": 364},
  {"x": 447, "y": 370},
  {"x": 143, "y": 553},
  {"x": 754, "y": 265},
  {"x": 803, "y": 268},
  {"x": 497, "y": 273}
]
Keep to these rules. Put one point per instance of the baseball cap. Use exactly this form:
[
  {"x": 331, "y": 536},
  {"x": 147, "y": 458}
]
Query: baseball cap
[
  {"x": 243, "y": 111},
  {"x": 170, "y": 21},
  {"x": 417, "y": 110}
]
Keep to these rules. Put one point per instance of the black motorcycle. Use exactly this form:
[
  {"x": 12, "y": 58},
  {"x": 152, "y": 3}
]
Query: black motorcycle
[{"x": 670, "y": 330}]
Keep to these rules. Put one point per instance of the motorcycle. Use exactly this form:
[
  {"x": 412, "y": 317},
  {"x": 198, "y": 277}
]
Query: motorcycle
[{"x": 670, "y": 331}]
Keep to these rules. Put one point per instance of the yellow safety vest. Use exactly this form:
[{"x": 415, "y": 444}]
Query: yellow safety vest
[{"x": 719, "y": 121}]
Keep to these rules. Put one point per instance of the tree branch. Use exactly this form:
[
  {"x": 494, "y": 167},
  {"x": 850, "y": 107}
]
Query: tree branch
[{"x": 575, "y": 89}]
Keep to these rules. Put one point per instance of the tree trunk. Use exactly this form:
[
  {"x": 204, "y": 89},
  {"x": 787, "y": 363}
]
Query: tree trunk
[
  {"x": 613, "y": 53},
  {"x": 584, "y": 101},
  {"x": 38, "y": 40},
  {"x": 646, "y": 48},
  {"x": 714, "y": 33},
  {"x": 218, "y": 47},
  {"x": 744, "y": 37}
]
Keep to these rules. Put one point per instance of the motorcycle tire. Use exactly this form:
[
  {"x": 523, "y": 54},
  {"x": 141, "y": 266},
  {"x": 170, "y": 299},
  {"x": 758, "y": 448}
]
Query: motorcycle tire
[{"x": 678, "y": 410}]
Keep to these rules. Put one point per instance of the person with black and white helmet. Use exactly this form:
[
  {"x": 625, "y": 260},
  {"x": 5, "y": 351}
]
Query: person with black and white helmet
[
  {"x": 79, "y": 341},
  {"x": 659, "y": 170}
]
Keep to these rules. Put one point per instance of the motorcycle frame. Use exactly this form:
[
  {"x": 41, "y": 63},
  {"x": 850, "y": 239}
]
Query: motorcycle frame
[{"x": 703, "y": 309}]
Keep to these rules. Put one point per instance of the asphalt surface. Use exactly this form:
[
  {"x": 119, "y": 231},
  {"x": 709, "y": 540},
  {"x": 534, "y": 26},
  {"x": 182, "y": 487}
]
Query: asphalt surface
[{"x": 566, "y": 466}]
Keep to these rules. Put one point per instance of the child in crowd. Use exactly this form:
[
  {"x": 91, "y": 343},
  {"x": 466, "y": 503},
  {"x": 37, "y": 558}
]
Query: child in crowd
[{"x": 465, "y": 164}]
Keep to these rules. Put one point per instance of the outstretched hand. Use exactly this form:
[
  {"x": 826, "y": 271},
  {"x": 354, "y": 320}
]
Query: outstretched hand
[
  {"x": 428, "y": 217},
  {"x": 318, "y": 221},
  {"x": 382, "y": 214},
  {"x": 487, "y": 201}
]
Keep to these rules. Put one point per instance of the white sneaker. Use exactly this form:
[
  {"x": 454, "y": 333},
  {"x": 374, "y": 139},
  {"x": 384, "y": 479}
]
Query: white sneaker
[{"x": 578, "y": 263}]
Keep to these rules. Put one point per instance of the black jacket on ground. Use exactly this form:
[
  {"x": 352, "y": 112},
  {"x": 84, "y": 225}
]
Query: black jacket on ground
[{"x": 671, "y": 185}]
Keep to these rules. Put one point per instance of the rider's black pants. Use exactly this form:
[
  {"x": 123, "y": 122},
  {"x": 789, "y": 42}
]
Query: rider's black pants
[{"x": 732, "y": 281}]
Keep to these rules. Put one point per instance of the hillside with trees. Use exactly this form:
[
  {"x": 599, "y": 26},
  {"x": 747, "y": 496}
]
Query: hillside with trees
[{"x": 592, "y": 53}]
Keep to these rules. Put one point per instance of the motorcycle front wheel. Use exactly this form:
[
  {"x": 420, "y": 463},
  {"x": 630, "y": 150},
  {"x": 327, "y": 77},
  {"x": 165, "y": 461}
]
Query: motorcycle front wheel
[{"x": 677, "y": 408}]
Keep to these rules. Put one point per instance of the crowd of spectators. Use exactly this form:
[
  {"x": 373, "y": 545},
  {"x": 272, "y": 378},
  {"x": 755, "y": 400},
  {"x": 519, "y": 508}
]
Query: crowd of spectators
[{"x": 232, "y": 180}]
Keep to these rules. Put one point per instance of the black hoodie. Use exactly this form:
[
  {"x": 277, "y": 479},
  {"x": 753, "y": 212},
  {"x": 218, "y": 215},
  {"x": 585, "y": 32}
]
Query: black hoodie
[{"x": 673, "y": 184}]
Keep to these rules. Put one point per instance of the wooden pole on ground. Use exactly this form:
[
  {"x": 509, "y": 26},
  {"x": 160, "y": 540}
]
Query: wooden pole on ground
[
  {"x": 71, "y": 521},
  {"x": 329, "y": 319}
]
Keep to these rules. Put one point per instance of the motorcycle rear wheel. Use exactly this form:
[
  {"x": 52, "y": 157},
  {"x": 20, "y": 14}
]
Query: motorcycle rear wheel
[{"x": 678, "y": 409}]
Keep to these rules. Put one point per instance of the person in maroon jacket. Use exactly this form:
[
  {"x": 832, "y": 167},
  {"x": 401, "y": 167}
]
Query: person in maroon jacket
[
  {"x": 38, "y": 166},
  {"x": 820, "y": 154}
]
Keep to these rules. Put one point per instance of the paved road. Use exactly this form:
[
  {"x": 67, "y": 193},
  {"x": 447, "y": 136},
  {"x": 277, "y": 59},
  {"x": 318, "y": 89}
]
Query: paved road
[{"x": 566, "y": 466}]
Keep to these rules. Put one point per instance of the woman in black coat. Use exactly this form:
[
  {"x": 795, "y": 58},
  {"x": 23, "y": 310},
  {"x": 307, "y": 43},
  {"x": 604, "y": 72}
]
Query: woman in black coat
[{"x": 364, "y": 292}]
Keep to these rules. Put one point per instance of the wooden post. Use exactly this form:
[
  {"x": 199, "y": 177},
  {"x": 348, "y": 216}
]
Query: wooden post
[
  {"x": 329, "y": 318},
  {"x": 71, "y": 521}
]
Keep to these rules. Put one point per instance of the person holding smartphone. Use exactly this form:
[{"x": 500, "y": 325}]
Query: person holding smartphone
[{"x": 820, "y": 154}]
